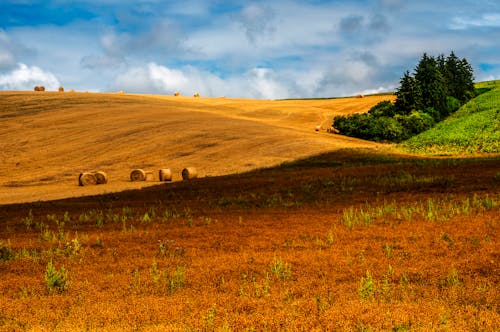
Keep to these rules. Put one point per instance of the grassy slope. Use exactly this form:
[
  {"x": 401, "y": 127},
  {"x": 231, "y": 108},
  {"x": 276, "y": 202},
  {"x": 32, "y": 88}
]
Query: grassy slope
[{"x": 474, "y": 128}]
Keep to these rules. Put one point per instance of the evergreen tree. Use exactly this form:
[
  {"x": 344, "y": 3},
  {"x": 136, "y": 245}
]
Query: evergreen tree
[
  {"x": 405, "y": 95},
  {"x": 430, "y": 86}
]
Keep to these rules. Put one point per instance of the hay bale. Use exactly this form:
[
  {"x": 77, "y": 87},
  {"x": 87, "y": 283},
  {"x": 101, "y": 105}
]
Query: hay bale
[
  {"x": 87, "y": 179},
  {"x": 317, "y": 128},
  {"x": 360, "y": 96},
  {"x": 196, "y": 95},
  {"x": 165, "y": 174},
  {"x": 177, "y": 93},
  {"x": 39, "y": 88},
  {"x": 189, "y": 173},
  {"x": 72, "y": 90},
  {"x": 101, "y": 177},
  {"x": 149, "y": 175},
  {"x": 61, "y": 89},
  {"x": 137, "y": 175}
]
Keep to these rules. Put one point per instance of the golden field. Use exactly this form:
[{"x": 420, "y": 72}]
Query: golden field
[
  {"x": 47, "y": 139},
  {"x": 287, "y": 229}
]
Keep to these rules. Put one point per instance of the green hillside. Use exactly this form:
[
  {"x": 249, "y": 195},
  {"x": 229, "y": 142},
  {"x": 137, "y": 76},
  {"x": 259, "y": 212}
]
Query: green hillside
[{"x": 474, "y": 128}]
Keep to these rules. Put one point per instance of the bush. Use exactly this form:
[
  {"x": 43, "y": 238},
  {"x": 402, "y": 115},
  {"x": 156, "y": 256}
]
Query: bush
[
  {"x": 383, "y": 108},
  {"x": 415, "y": 123},
  {"x": 452, "y": 104}
]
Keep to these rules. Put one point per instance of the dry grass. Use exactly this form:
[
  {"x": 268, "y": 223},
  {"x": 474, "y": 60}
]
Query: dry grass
[
  {"x": 45, "y": 137},
  {"x": 267, "y": 251}
]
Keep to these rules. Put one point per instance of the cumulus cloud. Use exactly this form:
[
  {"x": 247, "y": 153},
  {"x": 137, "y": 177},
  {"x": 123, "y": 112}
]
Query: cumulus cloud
[
  {"x": 256, "y": 20},
  {"x": 260, "y": 83},
  {"x": 25, "y": 78}
]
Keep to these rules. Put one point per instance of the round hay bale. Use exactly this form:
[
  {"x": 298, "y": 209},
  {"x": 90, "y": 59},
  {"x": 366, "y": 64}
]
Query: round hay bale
[
  {"x": 101, "y": 177},
  {"x": 360, "y": 96},
  {"x": 317, "y": 128},
  {"x": 177, "y": 93},
  {"x": 149, "y": 175},
  {"x": 196, "y": 95},
  {"x": 61, "y": 89},
  {"x": 72, "y": 90},
  {"x": 137, "y": 175},
  {"x": 165, "y": 174},
  {"x": 189, "y": 173},
  {"x": 87, "y": 179}
]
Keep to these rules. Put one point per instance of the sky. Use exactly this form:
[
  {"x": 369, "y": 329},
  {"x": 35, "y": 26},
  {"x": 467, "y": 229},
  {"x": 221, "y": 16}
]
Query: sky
[{"x": 251, "y": 49}]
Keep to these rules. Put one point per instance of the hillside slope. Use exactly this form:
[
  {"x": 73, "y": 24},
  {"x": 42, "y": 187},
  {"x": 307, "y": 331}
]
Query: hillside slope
[
  {"x": 474, "y": 128},
  {"x": 47, "y": 139}
]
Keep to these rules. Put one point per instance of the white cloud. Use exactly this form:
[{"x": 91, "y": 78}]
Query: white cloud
[
  {"x": 260, "y": 83},
  {"x": 256, "y": 21},
  {"x": 25, "y": 78},
  {"x": 491, "y": 20}
]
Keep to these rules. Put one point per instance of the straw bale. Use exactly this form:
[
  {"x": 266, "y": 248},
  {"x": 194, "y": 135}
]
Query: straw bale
[
  {"x": 165, "y": 174},
  {"x": 196, "y": 95},
  {"x": 138, "y": 175},
  {"x": 101, "y": 177},
  {"x": 87, "y": 179},
  {"x": 189, "y": 173},
  {"x": 177, "y": 93},
  {"x": 61, "y": 89}
]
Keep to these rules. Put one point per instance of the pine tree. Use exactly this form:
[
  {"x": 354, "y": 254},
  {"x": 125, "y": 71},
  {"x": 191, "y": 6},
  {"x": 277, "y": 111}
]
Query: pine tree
[
  {"x": 430, "y": 87},
  {"x": 405, "y": 95}
]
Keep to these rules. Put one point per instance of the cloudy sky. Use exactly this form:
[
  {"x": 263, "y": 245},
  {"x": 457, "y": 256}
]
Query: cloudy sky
[{"x": 257, "y": 49}]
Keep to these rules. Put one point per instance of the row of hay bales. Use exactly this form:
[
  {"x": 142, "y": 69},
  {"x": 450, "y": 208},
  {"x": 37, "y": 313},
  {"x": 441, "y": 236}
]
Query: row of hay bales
[
  {"x": 92, "y": 178},
  {"x": 177, "y": 94},
  {"x": 41, "y": 88},
  {"x": 164, "y": 175}
]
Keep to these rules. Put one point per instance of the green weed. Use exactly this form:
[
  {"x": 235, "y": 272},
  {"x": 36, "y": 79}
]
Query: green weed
[{"x": 56, "y": 281}]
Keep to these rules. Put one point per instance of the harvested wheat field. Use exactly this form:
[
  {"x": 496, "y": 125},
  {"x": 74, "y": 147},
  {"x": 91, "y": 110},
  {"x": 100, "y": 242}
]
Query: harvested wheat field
[
  {"x": 339, "y": 235},
  {"x": 47, "y": 139}
]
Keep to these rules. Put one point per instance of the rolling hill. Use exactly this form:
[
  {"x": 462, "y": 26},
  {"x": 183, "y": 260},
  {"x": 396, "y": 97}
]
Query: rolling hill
[
  {"x": 47, "y": 139},
  {"x": 474, "y": 128}
]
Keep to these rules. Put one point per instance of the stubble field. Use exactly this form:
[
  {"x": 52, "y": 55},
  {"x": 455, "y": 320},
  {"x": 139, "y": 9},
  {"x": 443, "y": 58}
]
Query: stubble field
[{"x": 350, "y": 239}]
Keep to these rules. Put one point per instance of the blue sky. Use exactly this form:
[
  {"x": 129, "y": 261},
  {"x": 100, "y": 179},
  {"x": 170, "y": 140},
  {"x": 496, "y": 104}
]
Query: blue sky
[{"x": 255, "y": 49}]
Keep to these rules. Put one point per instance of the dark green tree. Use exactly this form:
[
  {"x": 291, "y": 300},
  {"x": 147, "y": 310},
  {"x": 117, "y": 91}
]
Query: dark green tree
[
  {"x": 405, "y": 95},
  {"x": 430, "y": 86}
]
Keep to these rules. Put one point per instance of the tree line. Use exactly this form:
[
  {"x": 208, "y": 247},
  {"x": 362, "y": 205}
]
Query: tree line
[{"x": 437, "y": 88}]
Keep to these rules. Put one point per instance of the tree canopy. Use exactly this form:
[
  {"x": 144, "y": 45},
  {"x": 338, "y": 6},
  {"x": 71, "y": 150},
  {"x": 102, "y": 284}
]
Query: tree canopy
[{"x": 436, "y": 89}]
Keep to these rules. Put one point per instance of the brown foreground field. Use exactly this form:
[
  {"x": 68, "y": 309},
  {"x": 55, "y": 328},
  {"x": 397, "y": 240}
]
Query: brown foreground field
[
  {"x": 351, "y": 240},
  {"x": 340, "y": 236},
  {"x": 47, "y": 139}
]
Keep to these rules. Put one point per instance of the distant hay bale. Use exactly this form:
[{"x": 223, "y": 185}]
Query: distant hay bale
[
  {"x": 121, "y": 92},
  {"x": 39, "y": 88},
  {"x": 101, "y": 177},
  {"x": 177, "y": 93},
  {"x": 165, "y": 174},
  {"x": 137, "y": 175},
  {"x": 333, "y": 130},
  {"x": 317, "y": 128},
  {"x": 360, "y": 96},
  {"x": 189, "y": 173},
  {"x": 196, "y": 95},
  {"x": 72, "y": 90},
  {"x": 87, "y": 179},
  {"x": 61, "y": 89}
]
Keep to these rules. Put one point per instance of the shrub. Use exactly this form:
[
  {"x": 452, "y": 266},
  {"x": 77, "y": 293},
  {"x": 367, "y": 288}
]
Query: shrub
[
  {"x": 452, "y": 104},
  {"x": 415, "y": 123},
  {"x": 383, "y": 108}
]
